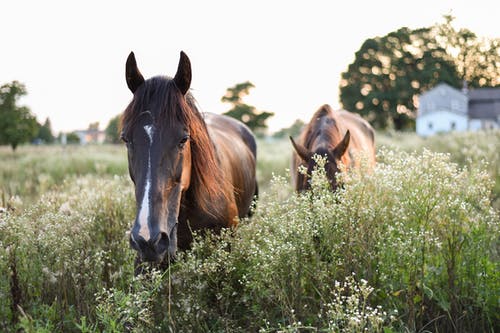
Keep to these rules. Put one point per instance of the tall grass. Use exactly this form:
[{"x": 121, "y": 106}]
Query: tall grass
[
  {"x": 32, "y": 170},
  {"x": 410, "y": 246},
  {"x": 273, "y": 159},
  {"x": 56, "y": 255},
  {"x": 474, "y": 150},
  {"x": 403, "y": 248}
]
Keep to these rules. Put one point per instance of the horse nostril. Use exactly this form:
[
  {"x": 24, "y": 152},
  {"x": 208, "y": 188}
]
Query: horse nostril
[
  {"x": 153, "y": 249},
  {"x": 133, "y": 243},
  {"x": 163, "y": 242}
]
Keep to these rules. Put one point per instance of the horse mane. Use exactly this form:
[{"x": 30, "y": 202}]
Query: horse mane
[
  {"x": 208, "y": 185},
  {"x": 314, "y": 128}
]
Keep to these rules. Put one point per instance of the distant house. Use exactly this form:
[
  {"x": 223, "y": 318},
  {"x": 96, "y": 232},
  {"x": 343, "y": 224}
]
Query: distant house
[
  {"x": 445, "y": 109},
  {"x": 91, "y": 136}
]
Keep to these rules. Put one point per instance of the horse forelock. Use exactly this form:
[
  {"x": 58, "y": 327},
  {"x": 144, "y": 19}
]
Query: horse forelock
[
  {"x": 324, "y": 129},
  {"x": 324, "y": 110},
  {"x": 158, "y": 96},
  {"x": 169, "y": 108}
]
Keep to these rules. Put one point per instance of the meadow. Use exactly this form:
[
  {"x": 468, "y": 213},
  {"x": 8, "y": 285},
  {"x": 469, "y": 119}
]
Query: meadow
[{"x": 410, "y": 247}]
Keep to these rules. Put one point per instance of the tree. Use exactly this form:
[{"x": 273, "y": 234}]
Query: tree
[
  {"x": 389, "y": 72},
  {"x": 45, "y": 132},
  {"x": 72, "y": 138},
  {"x": 477, "y": 59},
  {"x": 247, "y": 114},
  {"x": 94, "y": 126},
  {"x": 17, "y": 123},
  {"x": 293, "y": 130},
  {"x": 112, "y": 135}
]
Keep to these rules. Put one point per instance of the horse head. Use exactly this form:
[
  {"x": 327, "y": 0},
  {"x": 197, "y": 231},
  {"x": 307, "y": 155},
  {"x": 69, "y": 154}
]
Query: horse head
[
  {"x": 157, "y": 136},
  {"x": 333, "y": 158}
]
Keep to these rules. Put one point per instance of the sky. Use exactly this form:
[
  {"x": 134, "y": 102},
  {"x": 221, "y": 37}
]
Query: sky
[{"x": 71, "y": 54}]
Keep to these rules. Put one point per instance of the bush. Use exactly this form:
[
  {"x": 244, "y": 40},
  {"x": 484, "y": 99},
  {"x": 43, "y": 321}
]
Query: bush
[
  {"x": 474, "y": 150},
  {"x": 431, "y": 241},
  {"x": 63, "y": 250},
  {"x": 410, "y": 246}
]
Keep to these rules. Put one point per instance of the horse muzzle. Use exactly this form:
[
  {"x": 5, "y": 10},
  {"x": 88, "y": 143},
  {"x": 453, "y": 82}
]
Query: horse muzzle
[{"x": 153, "y": 250}]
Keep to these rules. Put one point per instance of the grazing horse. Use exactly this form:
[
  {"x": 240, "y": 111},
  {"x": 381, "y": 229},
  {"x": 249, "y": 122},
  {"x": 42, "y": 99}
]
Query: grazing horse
[
  {"x": 191, "y": 171},
  {"x": 338, "y": 135}
]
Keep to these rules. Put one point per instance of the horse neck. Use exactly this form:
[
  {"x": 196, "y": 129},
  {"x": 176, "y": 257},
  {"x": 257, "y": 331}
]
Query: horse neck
[{"x": 208, "y": 197}]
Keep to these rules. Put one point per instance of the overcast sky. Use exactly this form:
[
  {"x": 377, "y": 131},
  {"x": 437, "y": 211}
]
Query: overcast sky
[{"x": 71, "y": 54}]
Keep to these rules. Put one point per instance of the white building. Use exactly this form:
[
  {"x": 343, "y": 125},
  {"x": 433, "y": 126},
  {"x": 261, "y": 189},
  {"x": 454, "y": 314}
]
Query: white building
[
  {"x": 445, "y": 109},
  {"x": 91, "y": 136}
]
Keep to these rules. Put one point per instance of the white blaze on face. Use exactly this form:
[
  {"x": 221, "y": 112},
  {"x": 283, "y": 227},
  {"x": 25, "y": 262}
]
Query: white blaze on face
[{"x": 145, "y": 206}]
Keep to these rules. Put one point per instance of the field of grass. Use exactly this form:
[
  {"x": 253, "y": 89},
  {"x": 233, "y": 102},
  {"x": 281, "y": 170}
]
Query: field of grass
[{"x": 412, "y": 246}]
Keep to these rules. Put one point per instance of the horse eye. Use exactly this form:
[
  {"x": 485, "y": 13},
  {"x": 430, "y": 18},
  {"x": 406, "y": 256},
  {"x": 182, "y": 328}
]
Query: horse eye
[
  {"x": 125, "y": 139},
  {"x": 183, "y": 141}
]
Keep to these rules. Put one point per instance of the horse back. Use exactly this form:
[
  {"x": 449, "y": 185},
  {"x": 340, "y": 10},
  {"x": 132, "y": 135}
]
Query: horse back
[
  {"x": 362, "y": 135},
  {"x": 236, "y": 151}
]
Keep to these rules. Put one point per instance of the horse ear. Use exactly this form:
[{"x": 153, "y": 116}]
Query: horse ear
[
  {"x": 302, "y": 151},
  {"x": 132, "y": 73},
  {"x": 341, "y": 148},
  {"x": 182, "y": 78}
]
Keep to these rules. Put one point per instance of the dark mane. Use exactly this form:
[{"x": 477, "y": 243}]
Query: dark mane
[
  {"x": 315, "y": 128},
  {"x": 154, "y": 94},
  {"x": 173, "y": 109}
]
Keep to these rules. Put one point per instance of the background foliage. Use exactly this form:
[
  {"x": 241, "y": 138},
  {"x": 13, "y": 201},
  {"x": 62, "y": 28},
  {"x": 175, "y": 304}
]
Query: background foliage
[
  {"x": 112, "y": 130},
  {"x": 45, "y": 132},
  {"x": 17, "y": 124},
  {"x": 389, "y": 72},
  {"x": 248, "y": 114}
]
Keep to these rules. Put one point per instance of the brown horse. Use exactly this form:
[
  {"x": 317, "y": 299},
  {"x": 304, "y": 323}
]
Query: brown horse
[
  {"x": 191, "y": 171},
  {"x": 338, "y": 135}
]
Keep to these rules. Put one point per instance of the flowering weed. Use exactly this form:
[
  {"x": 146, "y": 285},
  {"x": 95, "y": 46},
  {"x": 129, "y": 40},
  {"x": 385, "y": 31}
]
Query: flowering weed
[{"x": 409, "y": 246}]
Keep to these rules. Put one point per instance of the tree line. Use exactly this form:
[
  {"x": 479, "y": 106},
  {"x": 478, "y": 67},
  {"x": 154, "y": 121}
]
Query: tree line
[
  {"x": 17, "y": 124},
  {"x": 382, "y": 84}
]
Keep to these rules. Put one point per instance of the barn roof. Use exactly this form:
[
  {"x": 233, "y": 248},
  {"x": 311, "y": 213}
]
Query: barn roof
[{"x": 484, "y": 103}]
